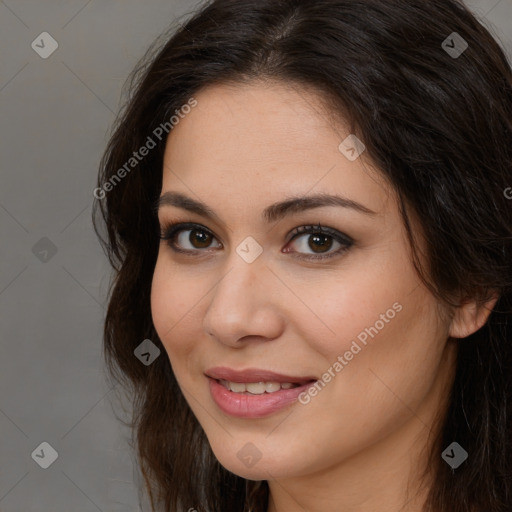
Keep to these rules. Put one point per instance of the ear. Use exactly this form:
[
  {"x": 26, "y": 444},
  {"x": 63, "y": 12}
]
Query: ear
[{"x": 471, "y": 315}]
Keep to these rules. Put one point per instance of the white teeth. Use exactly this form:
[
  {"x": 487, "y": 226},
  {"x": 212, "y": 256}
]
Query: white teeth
[
  {"x": 237, "y": 387},
  {"x": 256, "y": 388},
  {"x": 270, "y": 387}
]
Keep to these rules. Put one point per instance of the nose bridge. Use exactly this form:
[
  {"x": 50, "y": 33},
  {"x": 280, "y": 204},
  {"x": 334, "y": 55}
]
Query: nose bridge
[
  {"x": 241, "y": 302},
  {"x": 238, "y": 289}
]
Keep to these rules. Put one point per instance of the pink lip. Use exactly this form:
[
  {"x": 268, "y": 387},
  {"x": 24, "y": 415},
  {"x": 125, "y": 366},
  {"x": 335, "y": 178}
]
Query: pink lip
[{"x": 253, "y": 406}]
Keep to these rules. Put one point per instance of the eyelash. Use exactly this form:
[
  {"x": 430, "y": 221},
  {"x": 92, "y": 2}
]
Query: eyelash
[{"x": 170, "y": 230}]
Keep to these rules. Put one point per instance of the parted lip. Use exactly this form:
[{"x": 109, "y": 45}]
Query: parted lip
[{"x": 254, "y": 375}]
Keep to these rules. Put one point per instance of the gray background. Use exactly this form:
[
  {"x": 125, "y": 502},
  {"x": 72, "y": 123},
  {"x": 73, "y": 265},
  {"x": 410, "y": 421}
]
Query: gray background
[{"x": 55, "y": 115}]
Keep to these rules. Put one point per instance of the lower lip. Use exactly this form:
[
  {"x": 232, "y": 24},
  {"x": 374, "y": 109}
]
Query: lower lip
[{"x": 253, "y": 406}]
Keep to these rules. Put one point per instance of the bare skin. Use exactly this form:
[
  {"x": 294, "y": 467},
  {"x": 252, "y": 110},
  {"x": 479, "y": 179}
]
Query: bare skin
[{"x": 360, "y": 442}]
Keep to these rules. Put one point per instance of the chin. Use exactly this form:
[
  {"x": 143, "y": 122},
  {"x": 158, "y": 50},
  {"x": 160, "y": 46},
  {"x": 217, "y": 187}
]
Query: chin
[{"x": 245, "y": 462}]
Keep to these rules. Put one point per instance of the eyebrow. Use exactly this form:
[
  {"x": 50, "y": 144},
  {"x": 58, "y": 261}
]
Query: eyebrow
[{"x": 272, "y": 213}]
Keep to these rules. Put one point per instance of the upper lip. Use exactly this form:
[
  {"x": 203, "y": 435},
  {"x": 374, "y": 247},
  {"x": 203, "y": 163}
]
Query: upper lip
[{"x": 254, "y": 375}]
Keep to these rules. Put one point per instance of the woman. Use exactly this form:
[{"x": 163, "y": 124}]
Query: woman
[{"x": 306, "y": 207}]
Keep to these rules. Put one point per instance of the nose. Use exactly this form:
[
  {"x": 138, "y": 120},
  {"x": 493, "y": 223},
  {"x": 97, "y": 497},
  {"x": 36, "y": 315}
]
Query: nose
[{"x": 245, "y": 305}]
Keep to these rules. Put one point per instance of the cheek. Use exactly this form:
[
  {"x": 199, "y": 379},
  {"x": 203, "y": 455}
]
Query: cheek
[
  {"x": 379, "y": 317},
  {"x": 172, "y": 306},
  {"x": 163, "y": 302},
  {"x": 377, "y": 384},
  {"x": 356, "y": 306},
  {"x": 388, "y": 354}
]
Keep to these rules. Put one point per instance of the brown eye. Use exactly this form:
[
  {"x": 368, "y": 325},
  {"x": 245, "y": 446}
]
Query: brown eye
[
  {"x": 319, "y": 240},
  {"x": 199, "y": 237},
  {"x": 187, "y": 237},
  {"x": 314, "y": 242}
]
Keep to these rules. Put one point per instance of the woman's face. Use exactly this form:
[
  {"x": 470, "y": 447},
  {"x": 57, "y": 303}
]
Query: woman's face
[{"x": 250, "y": 301}]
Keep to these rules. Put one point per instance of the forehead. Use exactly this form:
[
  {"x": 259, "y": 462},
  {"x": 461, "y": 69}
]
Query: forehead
[
  {"x": 264, "y": 139},
  {"x": 274, "y": 117}
]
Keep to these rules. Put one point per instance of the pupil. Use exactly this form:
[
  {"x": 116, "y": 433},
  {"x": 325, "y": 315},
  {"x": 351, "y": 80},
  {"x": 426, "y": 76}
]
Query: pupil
[
  {"x": 321, "y": 240},
  {"x": 202, "y": 238}
]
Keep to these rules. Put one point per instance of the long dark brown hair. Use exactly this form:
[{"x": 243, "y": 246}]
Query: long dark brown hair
[{"x": 439, "y": 127}]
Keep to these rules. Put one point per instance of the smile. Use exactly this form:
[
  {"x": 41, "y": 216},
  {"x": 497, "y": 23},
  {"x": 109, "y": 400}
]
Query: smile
[
  {"x": 256, "y": 388},
  {"x": 254, "y": 393}
]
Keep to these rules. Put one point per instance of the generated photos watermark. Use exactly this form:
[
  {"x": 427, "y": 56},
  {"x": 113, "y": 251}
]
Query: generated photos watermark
[
  {"x": 143, "y": 151},
  {"x": 343, "y": 360}
]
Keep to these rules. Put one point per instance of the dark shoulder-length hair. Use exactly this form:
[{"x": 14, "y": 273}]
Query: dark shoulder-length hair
[{"x": 429, "y": 91}]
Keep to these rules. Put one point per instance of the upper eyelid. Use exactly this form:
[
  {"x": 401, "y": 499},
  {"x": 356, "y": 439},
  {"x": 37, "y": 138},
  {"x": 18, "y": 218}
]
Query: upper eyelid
[
  {"x": 307, "y": 229},
  {"x": 172, "y": 229}
]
